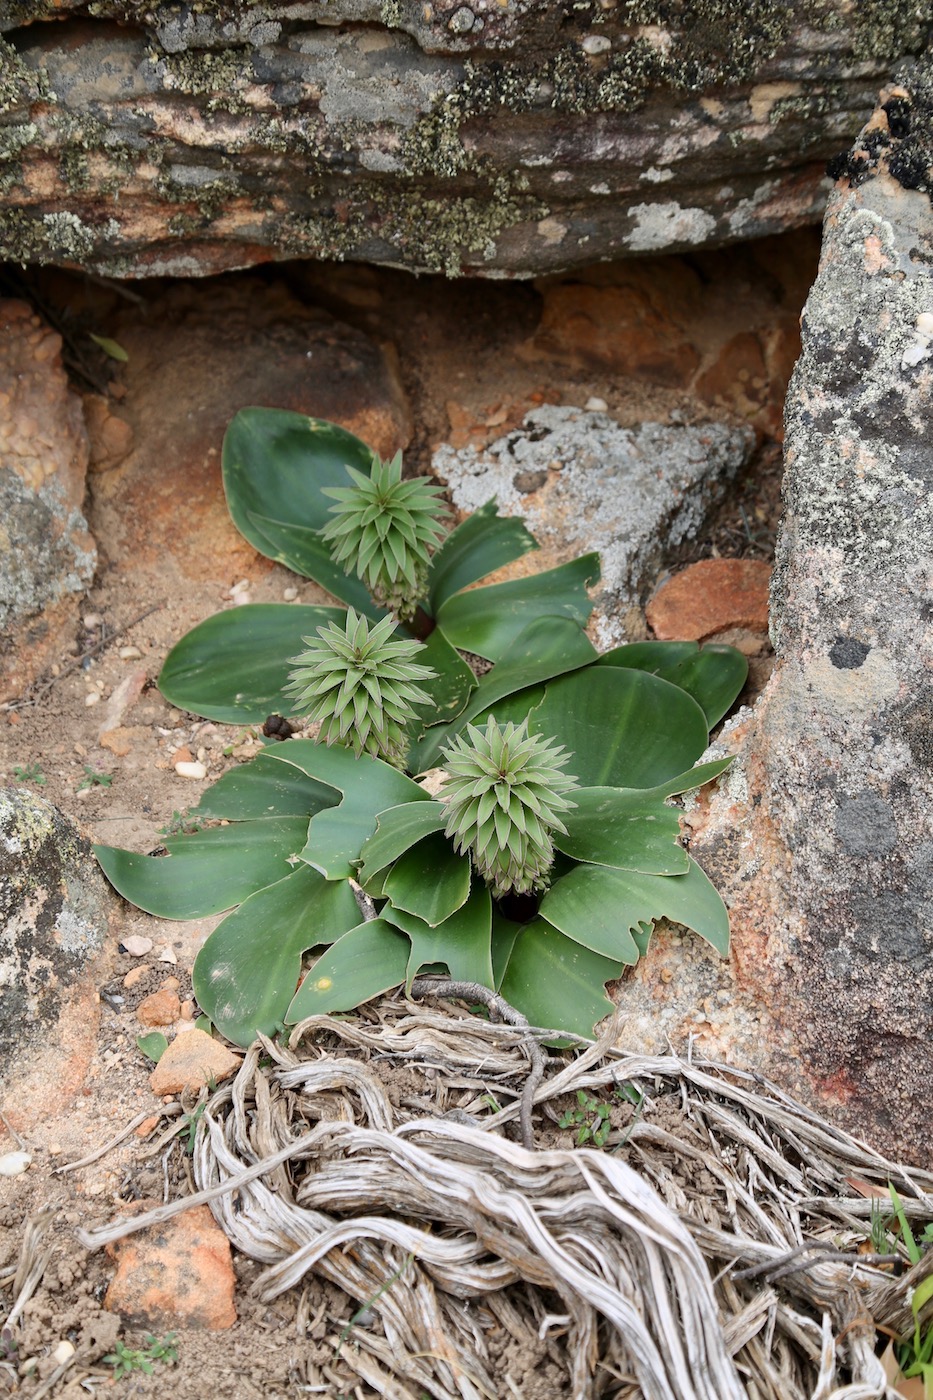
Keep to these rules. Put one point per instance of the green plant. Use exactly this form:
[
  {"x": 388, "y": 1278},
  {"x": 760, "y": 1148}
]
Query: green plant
[
  {"x": 502, "y": 797},
  {"x": 546, "y": 915},
  {"x": 181, "y": 824},
  {"x": 125, "y": 1360},
  {"x": 384, "y": 530},
  {"x": 360, "y": 685},
  {"x": 93, "y": 777},
  {"x": 29, "y": 773},
  {"x": 590, "y": 1118}
]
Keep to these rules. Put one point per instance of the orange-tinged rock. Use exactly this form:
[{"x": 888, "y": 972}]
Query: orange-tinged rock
[
  {"x": 709, "y": 597},
  {"x": 191, "y": 1061},
  {"x": 161, "y": 1008},
  {"x": 178, "y": 1274}
]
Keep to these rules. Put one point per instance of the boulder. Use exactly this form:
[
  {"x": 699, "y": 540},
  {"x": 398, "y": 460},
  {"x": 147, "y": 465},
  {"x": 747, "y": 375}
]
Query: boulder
[
  {"x": 55, "y": 912},
  {"x": 481, "y": 137},
  {"x": 584, "y": 483},
  {"x": 47, "y": 556},
  {"x": 821, "y": 834}
]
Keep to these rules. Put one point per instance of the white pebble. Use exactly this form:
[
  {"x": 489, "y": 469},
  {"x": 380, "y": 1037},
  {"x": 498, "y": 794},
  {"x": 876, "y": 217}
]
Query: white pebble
[
  {"x": 290, "y": 594},
  {"x": 15, "y": 1163},
  {"x": 92, "y": 698},
  {"x": 62, "y": 1353},
  {"x": 595, "y": 405},
  {"x": 925, "y": 323},
  {"x": 137, "y": 945},
  {"x": 190, "y": 770},
  {"x": 167, "y": 955},
  {"x": 238, "y": 598},
  {"x": 130, "y": 653},
  {"x": 92, "y": 620},
  {"x": 593, "y": 44}
]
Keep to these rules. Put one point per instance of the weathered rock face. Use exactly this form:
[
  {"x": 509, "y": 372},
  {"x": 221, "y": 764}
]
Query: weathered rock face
[
  {"x": 583, "y": 483},
  {"x": 55, "y": 907},
  {"x": 46, "y": 553},
  {"x": 484, "y": 137},
  {"x": 826, "y": 822}
]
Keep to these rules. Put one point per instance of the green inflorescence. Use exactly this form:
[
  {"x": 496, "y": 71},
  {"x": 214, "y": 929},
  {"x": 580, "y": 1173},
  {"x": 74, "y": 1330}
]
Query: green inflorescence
[{"x": 361, "y": 685}]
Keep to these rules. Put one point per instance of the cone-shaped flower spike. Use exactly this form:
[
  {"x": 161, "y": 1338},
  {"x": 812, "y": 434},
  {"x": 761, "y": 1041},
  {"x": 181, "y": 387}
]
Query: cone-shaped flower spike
[
  {"x": 361, "y": 685},
  {"x": 383, "y": 529},
  {"x": 504, "y": 796}
]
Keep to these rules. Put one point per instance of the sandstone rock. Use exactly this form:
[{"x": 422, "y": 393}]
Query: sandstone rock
[
  {"x": 822, "y": 832},
  {"x": 709, "y": 597},
  {"x": 143, "y": 139},
  {"x": 55, "y": 907},
  {"x": 46, "y": 553},
  {"x": 191, "y": 1061},
  {"x": 178, "y": 1274},
  {"x": 161, "y": 1008},
  {"x": 581, "y": 480},
  {"x": 216, "y": 348}
]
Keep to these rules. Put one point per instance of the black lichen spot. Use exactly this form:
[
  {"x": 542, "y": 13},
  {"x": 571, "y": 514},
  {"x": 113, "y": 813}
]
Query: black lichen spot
[
  {"x": 910, "y": 169},
  {"x": 898, "y": 114},
  {"x": 848, "y": 654}
]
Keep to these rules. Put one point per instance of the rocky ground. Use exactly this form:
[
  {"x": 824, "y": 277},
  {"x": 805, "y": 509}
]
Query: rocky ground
[{"x": 404, "y": 362}]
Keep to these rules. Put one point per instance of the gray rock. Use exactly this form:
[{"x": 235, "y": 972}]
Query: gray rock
[
  {"x": 585, "y": 483},
  {"x": 47, "y": 556},
  {"x": 54, "y": 910},
  {"x": 823, "y": 832},
  {"x": 500, "y": 139}
]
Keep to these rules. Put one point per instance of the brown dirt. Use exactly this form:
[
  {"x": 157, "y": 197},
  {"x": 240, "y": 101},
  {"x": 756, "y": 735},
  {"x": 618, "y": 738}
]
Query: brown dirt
[{"x": 456, "y": 349}]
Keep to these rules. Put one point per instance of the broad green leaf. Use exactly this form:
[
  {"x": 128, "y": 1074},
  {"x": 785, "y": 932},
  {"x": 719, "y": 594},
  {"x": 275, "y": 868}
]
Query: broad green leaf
[
  {"x": 208, "y": 871},
  {"x": 504, "y": 933},
  {"x": 461, "y": 943},
  {"x": 246, "y": 974},
  {"x": 483, "y": 543},
  {"x": 626, "y": 828},
  {"x": 548, "y": 646},
  {"x": 487, "y": 620},
  {"x": 367, "y": 961},
  {"x": 430, "y": 880},
  {"x": 276, "y": 465},
  {"x": 397, "y": 830},
  {"x": 153, "y": 1045},
  {"x": 263, "y": 788},
  {"x": 624, "y": 728},
  {"x": 450, "y": 690},
  {"x": 233, "y": 666},
  {"x": 368, "y": 786},
  {"x": 304, "y": 552},
  {"x": 604, "y": 909},
  {"x": 588, "y": 905},
  {"x": 713, "y": 676},
  {"x": 555, "y": 982}
]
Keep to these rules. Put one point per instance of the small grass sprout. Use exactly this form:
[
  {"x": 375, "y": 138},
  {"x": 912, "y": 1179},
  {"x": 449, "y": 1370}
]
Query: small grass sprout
[
  {"x": 384, "y": 529},
  {"x": 590, "y": 1118},
  {"x": 504, "y": 795},
  {"x": 361, "y": 685},
  {"x": 125, "y": 1360}
]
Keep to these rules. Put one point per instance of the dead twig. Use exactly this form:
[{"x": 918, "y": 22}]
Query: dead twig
[{"x": 38, "y": 692}]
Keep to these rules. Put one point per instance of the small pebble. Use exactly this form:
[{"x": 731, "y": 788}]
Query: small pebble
[
  {"x": 92, "y": 620},
  {"x": 135, "y": 974},
  {"x": 594, "y": 44},
  {"x": 130, "y": 653},
  {"x": 239, "y": 599},
  {"x": 167, "y": 956},
  {"x": 92, "y": 698},
  {"x": 136, "y": 945},
  {"x": 593, "y": 405},
  {"x": 191, "y": 770},
  {"x": 290, "y": 594},
  {"x": 62, "y": 1353},
  {"x": 15, "y": 1163}
]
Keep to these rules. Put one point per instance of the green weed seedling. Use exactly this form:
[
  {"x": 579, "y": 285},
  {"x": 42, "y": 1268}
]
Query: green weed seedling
[
  {"x": 93, "y": 777},
  {"x": 29, "y": 773},
  {"x": 543, "y": 859},
  {"x": 125, "y": 1360},
  {"x": 590, "y": 1118}
]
